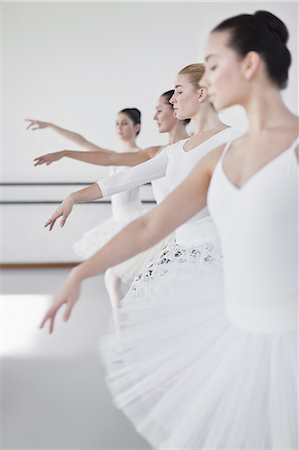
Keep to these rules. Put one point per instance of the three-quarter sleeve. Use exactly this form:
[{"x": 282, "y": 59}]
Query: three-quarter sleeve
[{"x": 135, "y": 176}]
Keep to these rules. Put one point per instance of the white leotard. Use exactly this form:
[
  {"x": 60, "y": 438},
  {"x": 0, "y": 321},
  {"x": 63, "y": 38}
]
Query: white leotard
[
  {"x": 160, "y": 189},
  {"x": 175, "y": 163},
  {"x": 258, "y": 228},
  {"x": 126, "y": 201}
]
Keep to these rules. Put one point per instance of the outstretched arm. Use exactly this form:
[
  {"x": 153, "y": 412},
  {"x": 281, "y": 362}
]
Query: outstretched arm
[
  {"x": 71, "y": 135},
  {"x": 90, "y": 193},
  {"x": 182, "y": 204},
  {"x": 101, "y": 157},
  {"x": 119, "y": 182}
]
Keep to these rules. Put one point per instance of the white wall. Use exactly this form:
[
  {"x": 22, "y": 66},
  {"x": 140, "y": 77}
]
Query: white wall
[
  {"x": 23, "y": 238},
  {"x": 77, "y": 64}
]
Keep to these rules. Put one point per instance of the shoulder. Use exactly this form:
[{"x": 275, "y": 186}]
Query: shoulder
[
  {"x": 208, "y": 163},
  {"x": 151, "y": 152},
  {"x": 155, "y": 150},
  {"x": 214, "y": 156}
]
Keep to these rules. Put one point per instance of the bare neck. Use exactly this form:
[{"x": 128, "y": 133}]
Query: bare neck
[
  {"x": 177, "y": 133},
  {"x": 266, "y": 110},
  {"x": 129, "y": 146},
  {"x": 207, "y": 121}
]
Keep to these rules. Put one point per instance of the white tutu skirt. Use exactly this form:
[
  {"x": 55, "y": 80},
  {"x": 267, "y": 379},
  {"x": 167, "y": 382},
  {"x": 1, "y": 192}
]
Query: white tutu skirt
[
  {"x": 185, "y": 376},
  {"x": 128, "y": 269},
  {"x": 98, "y": 236},
  {"x": 94, "y": 239}
]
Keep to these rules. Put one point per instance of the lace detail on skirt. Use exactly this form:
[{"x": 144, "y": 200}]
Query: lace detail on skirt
[{"x": 174, "y": 254}]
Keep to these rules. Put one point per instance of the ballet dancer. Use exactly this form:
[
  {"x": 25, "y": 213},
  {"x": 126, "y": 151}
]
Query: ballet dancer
[
  {"x": 213, "y": 363},
  {"x": 119, "y": 278},
  {"x": 175, "y": 162}
]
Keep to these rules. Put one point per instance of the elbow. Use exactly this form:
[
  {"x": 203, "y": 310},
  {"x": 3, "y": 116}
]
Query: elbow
[
  {"x": 113, "y": 158},
  {"x": 98, "y": 191},
  {"x": 82, "y": 141}
]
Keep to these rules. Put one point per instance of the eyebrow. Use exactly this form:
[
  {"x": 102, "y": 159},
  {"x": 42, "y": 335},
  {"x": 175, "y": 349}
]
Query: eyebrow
[
  {"x": 178, "y": 85},
  {"x": 210, "y": 56}
]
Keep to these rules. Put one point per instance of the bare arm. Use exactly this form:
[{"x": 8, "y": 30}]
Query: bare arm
[
  {"x": 68, "y": 134},
  {"x": 101, "y": 157},
  {"x": 181, "y": 205}
]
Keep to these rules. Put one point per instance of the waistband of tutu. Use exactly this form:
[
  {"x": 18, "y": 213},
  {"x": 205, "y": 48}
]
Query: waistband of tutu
[
  {"x": 277, "y": 317},
  {"x": 196, "y": 233},
  {"x": 131, "y": 207}
]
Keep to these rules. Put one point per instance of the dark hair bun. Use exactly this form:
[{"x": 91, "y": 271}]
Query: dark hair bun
[
  {"x": 133, "y": 113},
  {"x": 137, "y": 113},
  {"x": 264, "y": 33},
  {"x": 274, "y": 24}
]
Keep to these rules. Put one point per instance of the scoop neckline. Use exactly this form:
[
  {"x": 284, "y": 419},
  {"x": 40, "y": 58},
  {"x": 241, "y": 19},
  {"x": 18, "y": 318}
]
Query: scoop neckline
[{"x": 204, "y": 142}]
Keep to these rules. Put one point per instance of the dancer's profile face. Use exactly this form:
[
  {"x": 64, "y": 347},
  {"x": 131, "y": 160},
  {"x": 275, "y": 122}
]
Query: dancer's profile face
[
  {"x": 185, "y": 98},
  {"x": 225, "y": 72},
  {"x": 125, "y": 128},
  {"x": 164, "y": 115}
]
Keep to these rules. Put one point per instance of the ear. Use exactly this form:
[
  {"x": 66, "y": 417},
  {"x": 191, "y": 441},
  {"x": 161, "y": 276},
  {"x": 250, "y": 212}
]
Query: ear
[
  {"x": 137, "y": 127},
  {"x": 251, "y": 64},
  {"x": 202, "y": 94}
]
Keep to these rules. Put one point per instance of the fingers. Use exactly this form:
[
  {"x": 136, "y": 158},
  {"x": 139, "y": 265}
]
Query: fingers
[
  {"x": 47, "y": 159},
  {"x": 32, "y": 123},
  {"x": 50, "y": 315},
  {"x": 68, "y": 312},
  {"x": 44, "y": 321},
  {"x": 39, "y": 161},
  {"x": 50, "y": 224},
  {"x": 64, "y": 211},
  {"x": 42, "y": 160},
  {"x": 52, "y": 312},
  {"x": 64, "y": 218},
  {"x": 52, "y": 220}
]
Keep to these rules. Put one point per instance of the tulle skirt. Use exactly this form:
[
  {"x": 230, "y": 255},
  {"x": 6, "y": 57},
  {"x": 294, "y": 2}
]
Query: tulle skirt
[
  {"x": 94, "y": 239},
  {"x": 185, "y": 375},
  {"x": 98, "y": 236},
  {"x": 128, "y": 269}
]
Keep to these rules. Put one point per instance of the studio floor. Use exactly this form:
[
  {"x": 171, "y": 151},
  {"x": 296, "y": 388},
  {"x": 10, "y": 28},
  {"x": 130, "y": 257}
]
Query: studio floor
[{"x": 53, "y": 391}]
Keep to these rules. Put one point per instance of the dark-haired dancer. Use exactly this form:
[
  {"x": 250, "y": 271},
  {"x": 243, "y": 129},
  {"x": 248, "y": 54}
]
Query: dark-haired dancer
[
  {"x": 119, "y": 278},
  {"x": 175, "y": 161},
  {"x": 125, "y": 206},
  {"x": 209, "y": 372}
]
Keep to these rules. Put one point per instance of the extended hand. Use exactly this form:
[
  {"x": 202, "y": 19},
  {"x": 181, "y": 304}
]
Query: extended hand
[
  {"x": 36, "y": 124},
  {"x": 68, "y": 295},
  {"x": 63, "y": 211},
  {"x": 48, "y": 158}
]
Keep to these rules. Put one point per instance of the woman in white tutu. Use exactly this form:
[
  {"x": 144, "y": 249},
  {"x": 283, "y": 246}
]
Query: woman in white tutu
[
  {"x": 119, "y": 278},
  {"x": 213, "y": 364},
  {"x": 176, "y": 161},
  {"x": 126, "y": 206}
]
